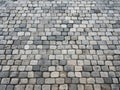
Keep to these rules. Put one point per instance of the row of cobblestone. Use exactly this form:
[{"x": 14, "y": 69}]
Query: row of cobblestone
[{"x": 61, "y": 87}]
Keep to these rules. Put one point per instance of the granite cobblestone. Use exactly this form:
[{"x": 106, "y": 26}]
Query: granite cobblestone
[{"x": 59, "y": 44}]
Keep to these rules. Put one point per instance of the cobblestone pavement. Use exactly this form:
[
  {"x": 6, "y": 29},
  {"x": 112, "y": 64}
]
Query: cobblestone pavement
[{"x": 59, "y": 44}]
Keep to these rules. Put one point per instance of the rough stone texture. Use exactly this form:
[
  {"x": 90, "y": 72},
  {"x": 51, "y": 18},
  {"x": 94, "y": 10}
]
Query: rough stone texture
[{"x": 59, "y": 44}]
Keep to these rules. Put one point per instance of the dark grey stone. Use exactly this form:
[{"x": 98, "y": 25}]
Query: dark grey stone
[
  {"x": 25, "y": 38},
  {"x": 68, "y": 68},
  {"x": 46, "y": 43},
  {"x": 3, "y": 42},
  {"x": 40, "y": 80},
  {"x": 22, "y": 25},
  {"x": 96, "y": 11},
  {"x": 105, "y": 68},
  {"x": 1, "y": 46},
  {"x": 60, "y": 38},
  {"x": 97, "y": 38},
  {"x": 73, "y": 87},
  {"x": 2, "y": 87},
  {"x": 4, "y": 74},
  {"x": 118, "y": 68},
  {"x": 36, "y": 38},
  {"x": 2, "y": 3},
  {"x": 111, "y": 74},
  {"x": 10, "y": 87},
  {"x": 117, "y": 74},
  {"x": 115, "y": 87},
  {"x": 51, "y": 38},
  {"x": 96, "y": 68},
  {"x": 95, "y": 74},
  {"x": 69, "y": 25},
  {"x": 116, "y": 62},
  {"x": 63, "y": 62},
  {"x": 96, "y": 47},
  {"x": 23, "y": 74},
  {"x": 68, "y": 80},
  {"x": 44, "y": 62},
  {"x": 16, "y": 42},
  {"x": 37, "y": 74},
  {"x": 36, "y": 68},
  {"x": 43, "y": 68},
  {"x": 14, "y": 74},
  {"x": 116, "y": 25},
  {"x": 108, "y": 80},
  {"x": 55, "y": 62},
  {"x": 37, "y": 42},
  {"x": 112, "y": 47},
  {"x": 64, "y": 33},
  {"x": 87, "y": 68},
  {"x": 85, "y": 42},
  {"x": 8, "y": 52},
  {"x": 105, "y": 87},
  {"x": 75, "y": 80},
  {"x": 85, "y": 74},
  {"x": 45, "y": 56},
  {"x": 45, "y": 46}
]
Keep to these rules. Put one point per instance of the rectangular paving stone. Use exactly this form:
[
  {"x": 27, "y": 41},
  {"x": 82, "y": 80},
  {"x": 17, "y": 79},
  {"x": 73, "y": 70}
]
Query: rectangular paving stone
[
  {"x": 40, "y": 81},
  {"x": 49, "y": 80},
  {"x": 23, "y": 74},
  {"x": 46, "y": 87},
  {"x": 37, "y": 87},
  {"x": 72, "y": 86},
  {"x": 2, "y": 87},
  {"x": 4, "y": 74},
  {"x": 87, "y": 68},
  {"x": 19, "y": 87},
  {"x": 9, "y": 87}
]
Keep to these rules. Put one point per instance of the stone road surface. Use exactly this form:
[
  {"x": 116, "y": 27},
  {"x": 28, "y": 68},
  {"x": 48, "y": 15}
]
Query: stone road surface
[{"x": 59, "y": 44}]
